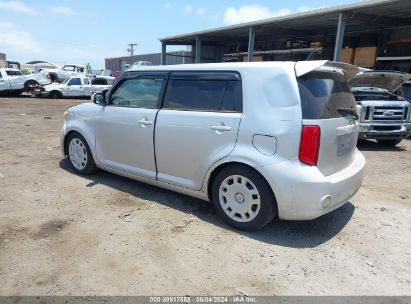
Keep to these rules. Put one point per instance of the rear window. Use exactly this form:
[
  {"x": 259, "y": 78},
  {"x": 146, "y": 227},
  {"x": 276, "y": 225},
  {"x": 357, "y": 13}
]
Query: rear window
[
  {"x": 99, "y": 81},
  {"x": 323, "y": 94},
  {"x": 204, "y": 95}
]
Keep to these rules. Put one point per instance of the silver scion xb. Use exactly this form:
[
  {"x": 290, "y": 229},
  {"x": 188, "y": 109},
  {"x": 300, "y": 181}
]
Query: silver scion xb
[{"x": 259, "y": 140}]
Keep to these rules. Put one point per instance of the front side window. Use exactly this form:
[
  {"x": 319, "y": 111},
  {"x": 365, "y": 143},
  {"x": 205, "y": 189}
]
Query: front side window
[
  {"x": 74, "y": 81},
  {"x": 86, "y": 81},
  {"x": 204, "y": 95},
  {"x": 138, "y": 93}
]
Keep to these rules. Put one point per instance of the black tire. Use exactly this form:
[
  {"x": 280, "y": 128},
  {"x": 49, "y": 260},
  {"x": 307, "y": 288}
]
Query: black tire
[
  {"x": 389, "y": 142},
  {"x": 30, "y": 84},
  {"x": 55, "y": 95},
  {"x": 87, "y": 165},
  {"x": 268, "y": 206}
]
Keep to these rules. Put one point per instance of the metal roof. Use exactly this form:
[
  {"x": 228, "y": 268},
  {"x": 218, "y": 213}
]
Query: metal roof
[{"x": 363, "y": 16}]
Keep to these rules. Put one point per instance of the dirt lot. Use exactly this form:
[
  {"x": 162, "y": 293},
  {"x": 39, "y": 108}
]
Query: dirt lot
[{"x": 62, "y": 234}]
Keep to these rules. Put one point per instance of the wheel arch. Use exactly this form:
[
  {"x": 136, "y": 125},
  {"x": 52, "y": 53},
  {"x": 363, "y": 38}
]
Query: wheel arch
[
  {"x": 71, "y": 131},
  {"x": 56, "y": 92},
  {"x": 212, "y": 175}
]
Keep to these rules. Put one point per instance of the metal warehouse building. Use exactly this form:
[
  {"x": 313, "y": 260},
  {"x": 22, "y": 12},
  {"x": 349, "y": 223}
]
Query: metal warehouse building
[
  {"x": 118, "y": 63},
  {"x": 374, "y": 34}
]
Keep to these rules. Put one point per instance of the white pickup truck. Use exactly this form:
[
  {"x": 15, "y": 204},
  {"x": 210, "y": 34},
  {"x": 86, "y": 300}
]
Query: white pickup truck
[
  {"x": 13, "y": 82},
  {"x": 76, "y": 86}
]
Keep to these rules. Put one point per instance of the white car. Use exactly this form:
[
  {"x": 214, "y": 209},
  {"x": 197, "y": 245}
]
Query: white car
[
  {"x": 256, "y": 139},
  {"x": 12, "y": 81},
  {"x": 73, "y": 87}
]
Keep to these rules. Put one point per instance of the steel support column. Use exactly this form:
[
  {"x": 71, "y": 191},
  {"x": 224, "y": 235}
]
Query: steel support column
[
  {"x": 251, "y": 41},
  {"x": 339, "y": 39},
  {"x": 198, "y": 50},
  {"x": 163, "y": 53}
]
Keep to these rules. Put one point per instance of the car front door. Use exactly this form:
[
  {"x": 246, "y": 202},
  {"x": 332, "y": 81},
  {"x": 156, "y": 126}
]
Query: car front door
[
  {"x": 74, "y": 87},
  {"x": 197, "y": 125},
  {"x": 125, "y": 127}
]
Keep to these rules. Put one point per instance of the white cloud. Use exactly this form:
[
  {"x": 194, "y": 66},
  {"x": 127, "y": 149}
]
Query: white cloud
[
  {"x": 188, "y": 9},
  {"x": 17, "y": 42},
  {"x": 255, "y": 12},
  {"x": 200, "y": 11},
  {"x": 63, "y": 10},
  {"x": 17, "y": 6}
]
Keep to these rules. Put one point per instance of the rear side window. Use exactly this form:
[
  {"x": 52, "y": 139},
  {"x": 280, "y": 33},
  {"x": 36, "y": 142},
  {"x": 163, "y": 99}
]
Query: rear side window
[
  {"x": 204, "y": 95},
  {"x": 14, "y": 73},
  {"x": 99, "y": 81},
  {"x": 324, "y": 94}
]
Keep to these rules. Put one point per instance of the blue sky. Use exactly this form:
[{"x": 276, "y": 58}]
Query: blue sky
[{"x": 88, "y": 31}]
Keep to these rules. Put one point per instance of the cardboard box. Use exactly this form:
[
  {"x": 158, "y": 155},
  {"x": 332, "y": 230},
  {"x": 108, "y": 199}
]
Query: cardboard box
[
  {"x": 365, "y": 56},
  {"x": 347, "y": 55},
  {"x": 256, "y": 58}
]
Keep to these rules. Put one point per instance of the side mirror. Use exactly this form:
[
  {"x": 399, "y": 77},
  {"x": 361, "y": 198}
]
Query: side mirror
[{"x": 99, "y": 98}]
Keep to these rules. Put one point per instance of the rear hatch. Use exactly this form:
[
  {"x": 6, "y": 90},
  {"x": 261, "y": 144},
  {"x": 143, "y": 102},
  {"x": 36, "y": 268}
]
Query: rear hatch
[{"x": 329, "y": 107}]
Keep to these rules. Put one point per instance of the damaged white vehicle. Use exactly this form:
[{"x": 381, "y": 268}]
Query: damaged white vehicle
[
  {"x": 13, "y": 82},
  {"x": 384, "y": 115},
  {"x": 74, "y": 87}
]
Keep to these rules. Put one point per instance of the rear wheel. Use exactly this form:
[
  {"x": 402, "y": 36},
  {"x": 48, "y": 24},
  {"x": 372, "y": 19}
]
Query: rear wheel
[
  {"x": 79, "y": 154},
  {"x": 389, "y": 142},
  {"x": 30, "y": 85},
  {"x": 242, "y": 198},
  {"x": 55, "y": 95}
]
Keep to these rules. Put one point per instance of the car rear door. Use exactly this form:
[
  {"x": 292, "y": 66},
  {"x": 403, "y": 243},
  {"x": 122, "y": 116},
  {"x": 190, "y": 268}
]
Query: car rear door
[
  {"x": 197, "y": 125},
  {"x": 125, "y": 127},
  {"x": 327, "y": 103}
]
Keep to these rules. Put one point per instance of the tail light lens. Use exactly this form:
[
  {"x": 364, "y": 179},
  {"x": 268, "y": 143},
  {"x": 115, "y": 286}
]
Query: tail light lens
[{"x": 310, "y": 145}]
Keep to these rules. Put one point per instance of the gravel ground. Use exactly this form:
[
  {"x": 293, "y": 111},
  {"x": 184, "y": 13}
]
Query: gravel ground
[{"x": 63, "y": 234}]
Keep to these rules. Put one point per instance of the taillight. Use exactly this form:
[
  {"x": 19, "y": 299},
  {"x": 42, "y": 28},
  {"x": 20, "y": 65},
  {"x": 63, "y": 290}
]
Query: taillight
[{"x": 310, "y": 145}]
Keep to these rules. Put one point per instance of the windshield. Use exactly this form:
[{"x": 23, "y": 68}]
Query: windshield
[{"x": 69, "y": 68}]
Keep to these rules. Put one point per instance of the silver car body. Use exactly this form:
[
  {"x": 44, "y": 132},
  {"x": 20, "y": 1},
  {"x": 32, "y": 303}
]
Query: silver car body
[{"x": 179, "y": 150}]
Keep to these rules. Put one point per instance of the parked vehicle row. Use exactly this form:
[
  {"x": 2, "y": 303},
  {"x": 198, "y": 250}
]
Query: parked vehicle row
[
  {"x": 258, "y": 140},
  {"x": 73, "y": 87}
]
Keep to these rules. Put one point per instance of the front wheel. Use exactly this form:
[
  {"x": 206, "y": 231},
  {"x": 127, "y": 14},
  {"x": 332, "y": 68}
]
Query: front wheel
[
  {"x": 389, "y": 142},
  {"x": 79, "y": 154},
  {"x": 242, "y": 198}
]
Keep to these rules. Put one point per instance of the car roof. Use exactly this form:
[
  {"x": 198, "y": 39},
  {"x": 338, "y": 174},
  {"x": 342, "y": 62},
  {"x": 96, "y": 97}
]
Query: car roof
[{"x": 212, "y": 66}]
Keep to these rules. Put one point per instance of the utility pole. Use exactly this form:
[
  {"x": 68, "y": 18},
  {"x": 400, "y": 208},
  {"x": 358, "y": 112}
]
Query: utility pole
[{"x": 131, "y": 48}]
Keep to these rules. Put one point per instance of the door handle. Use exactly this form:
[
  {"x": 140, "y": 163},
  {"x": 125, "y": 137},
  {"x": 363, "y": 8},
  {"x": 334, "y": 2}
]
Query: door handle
[
  {"x": 221, "y": 128},
  {"x": 144, "y": 122}
]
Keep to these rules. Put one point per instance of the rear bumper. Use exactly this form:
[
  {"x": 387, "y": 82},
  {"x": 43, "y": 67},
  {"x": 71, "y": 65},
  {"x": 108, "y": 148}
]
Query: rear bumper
[
  {"x": 384, "y": 131},
  {"x": 301, "y": 190}
]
